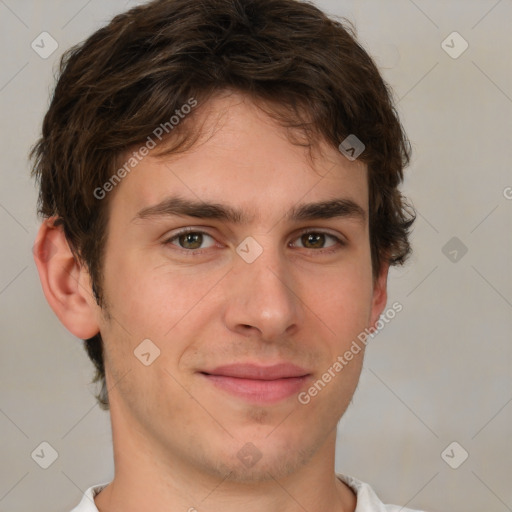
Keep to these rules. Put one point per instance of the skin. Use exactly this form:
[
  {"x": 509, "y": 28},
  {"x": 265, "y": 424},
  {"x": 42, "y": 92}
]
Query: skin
[{"x": 175, "y": 436}]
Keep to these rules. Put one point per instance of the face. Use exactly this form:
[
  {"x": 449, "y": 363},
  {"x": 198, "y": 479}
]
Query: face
[{"x": 242, "y": 313}]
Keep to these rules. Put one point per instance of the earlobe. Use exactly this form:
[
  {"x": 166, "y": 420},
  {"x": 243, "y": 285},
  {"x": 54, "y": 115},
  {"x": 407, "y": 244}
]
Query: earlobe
[
  {"x": 63, "y": 281},
  {"x": 380, "y": 294}
]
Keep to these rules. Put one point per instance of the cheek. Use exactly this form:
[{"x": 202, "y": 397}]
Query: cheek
[
  {"x": 342, "y": 299},
  {"x": 154, "y": 300},
  {"x": 150, "y": 299}
]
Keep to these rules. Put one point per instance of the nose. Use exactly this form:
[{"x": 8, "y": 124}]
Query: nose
[{"x": 262, "y": 299}]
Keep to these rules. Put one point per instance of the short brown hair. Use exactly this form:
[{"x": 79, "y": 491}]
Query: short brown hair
[{"x": 133, "y": 74}]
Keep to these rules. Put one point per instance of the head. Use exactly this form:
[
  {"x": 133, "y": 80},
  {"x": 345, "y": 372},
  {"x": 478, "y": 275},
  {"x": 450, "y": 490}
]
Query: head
[{"x": 235, "y": 102}]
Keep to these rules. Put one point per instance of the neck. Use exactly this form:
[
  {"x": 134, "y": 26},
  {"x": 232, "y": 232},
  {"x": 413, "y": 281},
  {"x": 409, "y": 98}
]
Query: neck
[
  {"x": 146, "y": 480},
  {"x": 164, "y": 474}
]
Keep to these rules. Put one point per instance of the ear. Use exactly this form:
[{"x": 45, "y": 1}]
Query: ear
[
  {"x": 380, "y": 294},
  {"x": 66, "y": 284}
]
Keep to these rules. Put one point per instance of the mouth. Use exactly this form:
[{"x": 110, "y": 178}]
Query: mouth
[{"x": 258, "y": 384}]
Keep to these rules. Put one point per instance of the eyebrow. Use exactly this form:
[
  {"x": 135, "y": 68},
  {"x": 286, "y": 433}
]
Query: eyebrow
[{"x": 179, "y": 206}]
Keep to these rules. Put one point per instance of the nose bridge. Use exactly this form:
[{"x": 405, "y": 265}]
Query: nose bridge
[
  {"x": 262, "y": 288},
  {"x": 263, "y": 267}
]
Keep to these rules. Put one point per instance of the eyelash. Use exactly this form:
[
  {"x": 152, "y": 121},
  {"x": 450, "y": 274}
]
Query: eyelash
[{"x": 197, "y": 252}]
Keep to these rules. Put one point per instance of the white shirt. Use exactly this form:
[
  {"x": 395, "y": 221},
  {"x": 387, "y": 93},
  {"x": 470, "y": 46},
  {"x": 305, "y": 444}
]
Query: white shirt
[{"x": 367, "y": 500}]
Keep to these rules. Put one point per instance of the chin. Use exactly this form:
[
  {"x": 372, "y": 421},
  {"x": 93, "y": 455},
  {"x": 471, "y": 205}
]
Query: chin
[{"x": 249, "y": 464}]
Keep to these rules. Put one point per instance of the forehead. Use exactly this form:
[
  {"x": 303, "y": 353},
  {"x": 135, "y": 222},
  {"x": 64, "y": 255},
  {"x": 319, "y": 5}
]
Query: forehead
[{"x": 244, "y": 158}]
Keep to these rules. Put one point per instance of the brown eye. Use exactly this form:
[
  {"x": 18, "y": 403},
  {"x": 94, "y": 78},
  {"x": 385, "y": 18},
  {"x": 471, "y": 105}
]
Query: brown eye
[
  {"x": 313, "y": 240},
  {"x": 317, "y": 239},
  {"x": 190, "y": 240}
]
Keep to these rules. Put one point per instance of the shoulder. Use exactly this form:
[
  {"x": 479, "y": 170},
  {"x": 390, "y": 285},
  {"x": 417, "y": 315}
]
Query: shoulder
[
  {"x": 367, "y": 500},
  {"x": 87, "y": 502}
]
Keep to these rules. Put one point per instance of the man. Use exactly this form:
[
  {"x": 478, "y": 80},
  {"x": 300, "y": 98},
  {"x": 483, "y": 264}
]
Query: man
[{"x": 219, "y": 192}]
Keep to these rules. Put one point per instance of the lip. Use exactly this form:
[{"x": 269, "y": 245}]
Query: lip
[
  {"x": 259, "y": 372},
  {"x": 259, "y": 384}
]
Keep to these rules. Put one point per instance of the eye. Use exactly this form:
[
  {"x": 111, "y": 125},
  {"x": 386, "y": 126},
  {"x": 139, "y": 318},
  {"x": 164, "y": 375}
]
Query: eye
[
  {"x": 189, "y": 239},
  {"x": 315, "y": 240}
]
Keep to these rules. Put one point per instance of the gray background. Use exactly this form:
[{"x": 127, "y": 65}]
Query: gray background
[{"x": 440, "y": 372}]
